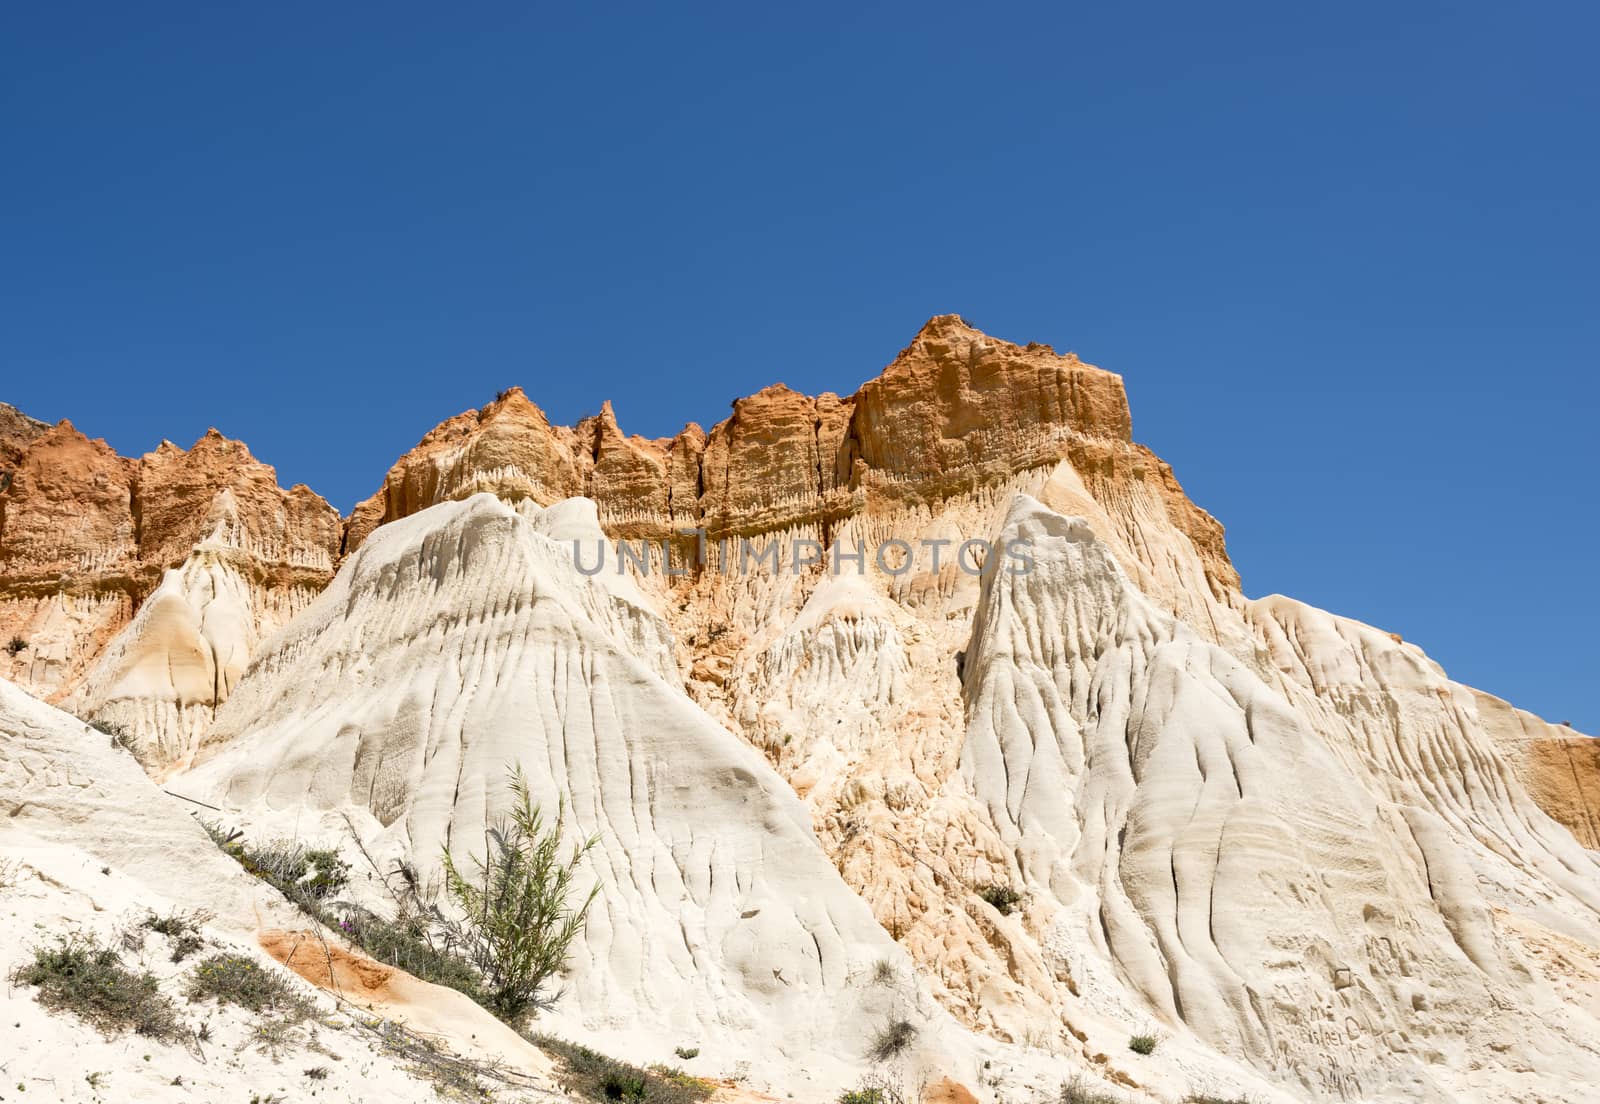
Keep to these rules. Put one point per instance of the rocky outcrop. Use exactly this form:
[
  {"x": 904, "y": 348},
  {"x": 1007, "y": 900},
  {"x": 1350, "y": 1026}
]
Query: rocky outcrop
[
  {"x": 1260, "y": 855},
  {"x": 956, "y": 413},
  {"x": 1563, "y": 774},
  {"x": 87, "y": 536},
  {"x": 69, "y": 570},
  {"x": 17, "y": 432},
  {"x": 215, "y": 490}
]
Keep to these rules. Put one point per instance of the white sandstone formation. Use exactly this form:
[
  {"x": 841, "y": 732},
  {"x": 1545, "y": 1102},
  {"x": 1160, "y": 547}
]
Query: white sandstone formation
[
  {"x": 1283, "y": 842},
  {"x": 462, "y": 641},
  {"x": 1312, "y": 885}
]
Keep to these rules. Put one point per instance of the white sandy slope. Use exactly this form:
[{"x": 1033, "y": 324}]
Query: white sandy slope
[
  {"x": 1301, "y": 881},
  {"x": 89, "y": 845},
  {"x": 461, "y": 642}
]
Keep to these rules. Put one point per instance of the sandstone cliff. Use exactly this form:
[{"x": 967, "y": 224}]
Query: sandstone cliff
[
  {"x": 955, "y": 413},
  {"x": 17, "y": 432},
  {"x": 87, "y": 537}
]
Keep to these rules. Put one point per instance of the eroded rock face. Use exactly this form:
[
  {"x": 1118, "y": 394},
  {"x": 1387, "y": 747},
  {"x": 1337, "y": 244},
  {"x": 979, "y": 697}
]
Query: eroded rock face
[
  {"x": 957, "y": 418},
  {"x": 69, "y": 571},
  {"x": 1563, "y": 773},
  {"x": 17, "y": 432},
  {"x": 86, "y": 536},
  {"x": 719, "y": 919},
  {"x": 957, "y": 412},
  {"x": 217, "y": 491},
  {"x": 1294, "y": 848}
]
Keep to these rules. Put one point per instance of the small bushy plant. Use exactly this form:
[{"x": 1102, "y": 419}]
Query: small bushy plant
[
  {"x": 871, "y": 1094},
  {"x": 517, "y": 924},
  {"x": 237, "y": 979},
  {"x": 593, "y": 1075},
  {"x": 1001, "y": 896},
  {"x": 302, "y": 874},
  {"x": 309, "y": 876},
  {"x": 79, "y": 974}
]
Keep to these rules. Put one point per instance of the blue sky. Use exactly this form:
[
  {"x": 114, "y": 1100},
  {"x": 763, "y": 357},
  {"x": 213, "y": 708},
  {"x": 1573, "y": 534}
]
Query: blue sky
[{"x": 1345, "y": 257}]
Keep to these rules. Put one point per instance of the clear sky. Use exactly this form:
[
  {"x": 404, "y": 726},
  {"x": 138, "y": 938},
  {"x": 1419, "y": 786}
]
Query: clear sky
[{"x": 1345, "y": 256}]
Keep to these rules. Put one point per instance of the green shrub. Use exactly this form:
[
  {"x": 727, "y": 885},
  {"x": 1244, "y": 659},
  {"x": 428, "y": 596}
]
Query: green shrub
[
  {"x": 1142, "y": 1044},
  {"x": 869, "y": 1095},
  {"x": 517, "y": 925},
  {"x": 307, "y": 876},
  {"x": 303, "y": 874},
  {"x": 236, "y": 979},
  {"x": 408, "y": 943},
  {"x": 679, "y": 1079},
  {"x": 1001, "y": 896},
  {"x": 687, "y": 1053},
  {"x": 16, "y": 645},
  {"x": 594, "y": 1076},
  {"x": 300, "y": 873},
  {"x": 622, "y": 1084},
  {"x": 82, "y": 976},
  {"x": 328, "y": 873},
  {"x": 879, "y": 1088}
]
